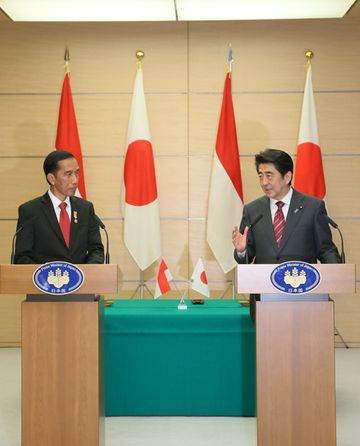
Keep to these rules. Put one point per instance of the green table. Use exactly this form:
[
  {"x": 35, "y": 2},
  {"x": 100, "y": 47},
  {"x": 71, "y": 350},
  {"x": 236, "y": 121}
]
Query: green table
[{"x": 163, "y": 361}]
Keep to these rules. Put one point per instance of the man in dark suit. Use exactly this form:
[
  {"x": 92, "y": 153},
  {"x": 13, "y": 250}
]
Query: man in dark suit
[
  {"x": 302, "y": 231},
  {"x": 40, "y": 238}
]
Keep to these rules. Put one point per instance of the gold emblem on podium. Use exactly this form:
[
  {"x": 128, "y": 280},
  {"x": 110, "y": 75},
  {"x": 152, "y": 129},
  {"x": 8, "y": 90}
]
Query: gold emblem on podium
[
  {"x": 295, "y": 279},
  {"x": 58, "y": 279}
]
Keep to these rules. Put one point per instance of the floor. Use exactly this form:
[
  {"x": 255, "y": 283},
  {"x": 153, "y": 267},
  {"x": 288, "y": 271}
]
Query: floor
[{"x": 189, "y": 431}]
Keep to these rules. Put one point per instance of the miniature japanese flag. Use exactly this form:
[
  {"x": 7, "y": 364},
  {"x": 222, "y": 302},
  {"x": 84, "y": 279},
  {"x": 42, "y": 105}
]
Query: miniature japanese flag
[{"x": 199, "y": 279}]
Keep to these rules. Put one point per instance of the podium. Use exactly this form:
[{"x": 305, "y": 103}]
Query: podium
[
  {"x": 62, "y": 360},
  {"x": 295, "y": 359}
]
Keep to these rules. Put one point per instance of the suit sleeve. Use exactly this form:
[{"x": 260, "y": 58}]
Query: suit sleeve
[
  {"x": 25, "y": 237},
  {"x": 250, "y": 242},
  {"x": 95, "y": 248},
  {"x": 326, "y": 249}
]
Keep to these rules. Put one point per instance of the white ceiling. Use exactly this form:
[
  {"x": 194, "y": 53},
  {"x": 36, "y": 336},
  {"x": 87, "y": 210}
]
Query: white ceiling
[{"x": 171, "y": 10}]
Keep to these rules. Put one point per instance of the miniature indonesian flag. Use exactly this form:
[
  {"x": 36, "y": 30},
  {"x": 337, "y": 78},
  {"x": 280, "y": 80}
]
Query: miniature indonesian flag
[
  {"x": 163, "y": 280},
  {"x": 199, "y": 279}
]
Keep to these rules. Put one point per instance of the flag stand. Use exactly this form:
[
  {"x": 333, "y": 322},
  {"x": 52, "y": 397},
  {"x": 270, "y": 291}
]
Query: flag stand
[
  {"x": 337, "y": 333},
  {"x": 142, "y": 287},
  {"x": 232, "y": 284},
  {"x": 182, "y": 305}
]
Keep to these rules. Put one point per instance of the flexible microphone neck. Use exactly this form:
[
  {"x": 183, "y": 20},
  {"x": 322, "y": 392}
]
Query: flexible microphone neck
[
  {"x": 336, "y": 226},
  {"x": 251, "y": 227},
  {"x": 12, "y": 256},
  {"x": 102, "y": 226}
]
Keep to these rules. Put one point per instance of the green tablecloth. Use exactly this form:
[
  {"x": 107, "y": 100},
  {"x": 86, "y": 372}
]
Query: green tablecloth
[{"x": 163, "y": 361}]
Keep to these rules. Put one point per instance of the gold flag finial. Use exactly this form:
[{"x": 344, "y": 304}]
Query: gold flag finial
[
  {"x": 308, "y": 56},
  {"x": 67, "y": 59},
  {"x": 139, "y": 56}
]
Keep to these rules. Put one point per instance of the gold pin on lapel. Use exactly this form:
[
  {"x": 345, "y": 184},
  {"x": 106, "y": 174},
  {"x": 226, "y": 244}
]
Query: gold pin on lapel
[{"x": 75, "y": 217}]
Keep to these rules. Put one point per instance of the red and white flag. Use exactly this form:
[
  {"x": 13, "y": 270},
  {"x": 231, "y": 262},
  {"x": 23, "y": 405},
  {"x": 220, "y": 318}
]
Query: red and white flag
[
  {"x": 67, "y": 136},
  {"x": 226, "y": 195},
  {"x": 309, "y": 172},
  {"x": 199, "y": 279},
  {"x": 163, "y": 280},
  {"x": 141, "y": 210}
]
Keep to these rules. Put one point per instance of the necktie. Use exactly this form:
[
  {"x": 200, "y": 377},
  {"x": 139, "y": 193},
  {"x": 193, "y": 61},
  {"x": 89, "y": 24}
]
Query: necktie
[
  {"x": 64, "y": 223},
  {"x": 279, "y": 222}
]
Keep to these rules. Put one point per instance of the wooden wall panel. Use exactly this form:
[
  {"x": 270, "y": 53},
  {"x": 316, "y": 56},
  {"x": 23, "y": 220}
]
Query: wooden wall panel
[
  {"x": 7, "y": 231},
  {"x": 23, "y": 179},
  {"x": 174, "y": 239},
  {"x": 272, "y": 120},
  {"x": 347, "y": 316},
  {"x": 269, "y": 54},
  {"x": 184, "y": 71},
  {"x": 29, "y": 123},
  {"x": 102, "y": 56}
]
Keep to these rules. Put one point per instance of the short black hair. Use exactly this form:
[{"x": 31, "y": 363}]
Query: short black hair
[
  {"x": 282, "y": 161},
  {"x": 51, "y": 161}
]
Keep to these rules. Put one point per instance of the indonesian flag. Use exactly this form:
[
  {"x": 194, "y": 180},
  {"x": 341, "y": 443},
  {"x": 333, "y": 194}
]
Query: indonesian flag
[
  {"x": 226, "y": 195},
  {"x": 67, "y": 136},
  {"x": 141, "y": 210},
  {"x": 163, "y": 280},
  {"x": 199, "y": 279},
  {"x": 309, "y": 172}
]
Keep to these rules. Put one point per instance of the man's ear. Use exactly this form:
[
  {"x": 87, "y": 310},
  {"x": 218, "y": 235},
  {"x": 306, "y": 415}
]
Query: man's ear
[
  {"x": 50, "y": 178},
  {"x": 288, "y": 177}
]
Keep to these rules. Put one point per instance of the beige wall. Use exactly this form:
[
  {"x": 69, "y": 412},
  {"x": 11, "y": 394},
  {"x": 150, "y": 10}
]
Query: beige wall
[{"x": 184, "y": 70}]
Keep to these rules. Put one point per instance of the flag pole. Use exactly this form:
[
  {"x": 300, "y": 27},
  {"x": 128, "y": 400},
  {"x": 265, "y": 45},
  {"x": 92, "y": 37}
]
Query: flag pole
[
  {"x": 308, "y": 56},
  {"x": 67, "y": 60}
]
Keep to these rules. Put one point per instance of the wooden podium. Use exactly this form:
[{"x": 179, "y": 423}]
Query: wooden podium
[
  {"x": 62, "y": 382},
  {"x": 295, "y": 359}
]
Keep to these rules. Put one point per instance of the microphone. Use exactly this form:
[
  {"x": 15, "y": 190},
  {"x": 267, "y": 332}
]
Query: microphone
[
  {"x": 12, "y": 256},
  {"x": 251, "y": 226},
  {"x": 335, "y": 226},
  {"x": 102, "y": 226},
  {"x": 19, "y": 229}
]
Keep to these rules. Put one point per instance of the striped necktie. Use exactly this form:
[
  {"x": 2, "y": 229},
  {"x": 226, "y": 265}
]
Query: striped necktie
[{"x": 279, "y": 222}]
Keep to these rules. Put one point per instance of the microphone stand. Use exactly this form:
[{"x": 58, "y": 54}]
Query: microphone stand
[
  {"x": 107, "y": 254},
  {"x": 342, "y": 257},
  {"x": 12, "y": 257},
  {"x": 102, "y": 226}
]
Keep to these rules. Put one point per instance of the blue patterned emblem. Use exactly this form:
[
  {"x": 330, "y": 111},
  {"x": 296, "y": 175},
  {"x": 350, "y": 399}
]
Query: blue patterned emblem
[
  {"x": 295, "y": 277},
  {"x": 58, "y": 278}
]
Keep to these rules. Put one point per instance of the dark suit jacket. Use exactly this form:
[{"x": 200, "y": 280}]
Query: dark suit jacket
[
  {"x": 307, "y": 236},
  {"x": 40, "y": 240}
]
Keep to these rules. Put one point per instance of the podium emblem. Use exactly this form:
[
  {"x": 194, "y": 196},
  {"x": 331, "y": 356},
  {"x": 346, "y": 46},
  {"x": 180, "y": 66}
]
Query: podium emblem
[
  {"x": 58, "y": 278},
  {"x": 295, "y": 277}
]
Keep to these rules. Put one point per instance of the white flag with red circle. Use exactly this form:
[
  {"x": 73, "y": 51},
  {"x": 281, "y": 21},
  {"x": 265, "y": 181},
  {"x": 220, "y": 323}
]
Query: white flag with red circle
[
  {"x": 141, "y": 210},
  {"x": 309, "y": 172},
  {"x": 199, "y": 279},
  {"x": 163, "y": 280}
]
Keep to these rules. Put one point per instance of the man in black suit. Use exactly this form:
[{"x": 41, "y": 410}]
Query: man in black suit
[
  {"x": 304, "y": 232},
  {"x": 40, "y": 238}
]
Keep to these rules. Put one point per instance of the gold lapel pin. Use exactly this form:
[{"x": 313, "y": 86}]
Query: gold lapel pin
[{"x": 75, "y": 217}]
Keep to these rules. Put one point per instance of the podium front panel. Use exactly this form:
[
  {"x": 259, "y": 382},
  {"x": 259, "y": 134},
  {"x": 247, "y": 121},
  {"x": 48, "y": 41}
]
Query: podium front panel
[{"x": 295, "y": 374}]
